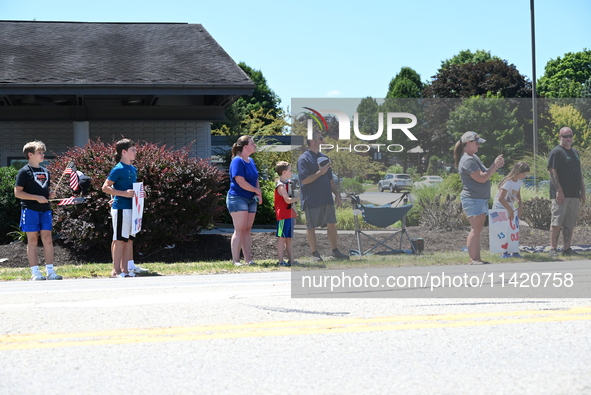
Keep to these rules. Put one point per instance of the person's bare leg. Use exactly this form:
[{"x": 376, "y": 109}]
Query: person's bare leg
[
  {"x": 473, "y": 241},
  {"x": 280, "y": 248},
  {"x": 331, "y": 231},
  {"x": 32, "y": 241},
  {"x": 311, "y": 236},
  {"x": 47, "y": 246},
  {"x": 240, "y": 221},
  {"x": 554, "y": 234}
]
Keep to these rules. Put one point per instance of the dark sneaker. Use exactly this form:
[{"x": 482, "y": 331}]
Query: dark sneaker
[
  {"x": 516, "y": 255},
  {"x": 339, "y": 255},
  {"x": 553, "y": 253},
  {"x": 569, "y": 252},
  {"x": 505, "y": 255},
  {"x": 38, "y": 277},
  {"x": 286, "y": 264},
  {"x": 316, "y": 257}
]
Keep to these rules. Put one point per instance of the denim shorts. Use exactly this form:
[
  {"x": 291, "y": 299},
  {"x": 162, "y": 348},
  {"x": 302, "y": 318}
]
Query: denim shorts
[
  {"x": 238, "y": 203},
  {"x": 474, "y": 207}
]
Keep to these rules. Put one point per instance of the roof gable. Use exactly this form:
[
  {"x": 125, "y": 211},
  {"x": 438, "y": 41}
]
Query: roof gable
[{"x": 83, "y": 53}]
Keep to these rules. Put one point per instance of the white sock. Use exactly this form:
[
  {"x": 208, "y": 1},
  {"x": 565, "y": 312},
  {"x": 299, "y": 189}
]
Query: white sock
[
  {"x": 35, "y": 270},
  {"x": 49, "y": 269},
  {"x": 130, "y": 265}
]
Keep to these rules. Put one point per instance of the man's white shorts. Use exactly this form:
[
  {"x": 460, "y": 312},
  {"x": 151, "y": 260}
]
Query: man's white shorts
[{"x": 122, "y": 224}]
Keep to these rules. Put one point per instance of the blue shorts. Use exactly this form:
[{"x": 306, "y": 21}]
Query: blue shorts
[
  {"x": 238, "y": 203},
  {"x": 34, "y": 221},
  {"x": 474, "y": 207},
  {"x": 285, "y": 228}
]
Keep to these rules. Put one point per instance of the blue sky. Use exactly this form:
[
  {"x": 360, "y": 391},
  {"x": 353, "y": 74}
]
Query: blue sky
[{"x": 320, "y": 49}]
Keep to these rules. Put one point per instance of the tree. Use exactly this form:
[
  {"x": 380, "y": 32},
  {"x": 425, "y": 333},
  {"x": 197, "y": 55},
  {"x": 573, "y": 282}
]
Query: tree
[
  {"x": 406, "y": 84},
  {"x": 495, "y": 120},
  {"x": 478, "y": 79},
  {"x": 263, "y": 99},
  {"x": 492, "y": 77},
  {"x": 466, "y": 56},
  {"x": 561, "y": 115},
  {"x": 566, "y": 76}
]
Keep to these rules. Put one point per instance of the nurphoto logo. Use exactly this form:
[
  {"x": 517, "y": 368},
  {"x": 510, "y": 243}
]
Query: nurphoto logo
[{"x": 345, "y": 130}]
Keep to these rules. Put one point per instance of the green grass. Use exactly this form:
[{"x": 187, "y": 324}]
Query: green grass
[{"x": 217, "y": 267}]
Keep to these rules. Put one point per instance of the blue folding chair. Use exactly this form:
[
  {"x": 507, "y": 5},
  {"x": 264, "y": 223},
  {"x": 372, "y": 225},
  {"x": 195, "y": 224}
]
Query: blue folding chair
[{"x": 381, "y": 217}]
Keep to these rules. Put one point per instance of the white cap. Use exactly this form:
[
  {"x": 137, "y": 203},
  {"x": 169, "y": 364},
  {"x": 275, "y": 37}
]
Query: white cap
[{"x": 472, "y": 136}]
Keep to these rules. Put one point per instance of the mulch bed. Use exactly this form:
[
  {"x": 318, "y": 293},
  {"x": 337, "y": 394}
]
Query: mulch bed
[{"x": 215, "y": 247}]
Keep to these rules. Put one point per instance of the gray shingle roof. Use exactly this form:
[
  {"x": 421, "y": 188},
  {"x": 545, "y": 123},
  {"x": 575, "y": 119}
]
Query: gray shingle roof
[{"x": 80, "y": 53}]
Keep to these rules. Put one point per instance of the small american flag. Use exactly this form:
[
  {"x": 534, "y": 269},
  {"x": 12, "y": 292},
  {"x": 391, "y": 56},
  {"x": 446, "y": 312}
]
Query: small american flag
[
  {"x": 71, "y": 200},
  {"x": 498, "y": 216},
  {"x": 142, "y": 192},
  {"x": 71, "y": 170}
]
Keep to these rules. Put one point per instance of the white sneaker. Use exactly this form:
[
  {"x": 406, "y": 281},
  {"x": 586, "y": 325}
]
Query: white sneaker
[
  {"x": 37, "y": 277},
  {"x": 138, "y": 270},
  {"x": 238, "y": 264},
  {"x": 54, "y": 276}
]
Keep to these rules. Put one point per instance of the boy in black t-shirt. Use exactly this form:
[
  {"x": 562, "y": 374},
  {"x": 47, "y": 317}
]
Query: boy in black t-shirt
[{"x": 32, "y": 187}]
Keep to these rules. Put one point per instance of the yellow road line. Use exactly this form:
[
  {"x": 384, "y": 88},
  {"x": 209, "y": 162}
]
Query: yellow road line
[{"x": 288, "y": 328}]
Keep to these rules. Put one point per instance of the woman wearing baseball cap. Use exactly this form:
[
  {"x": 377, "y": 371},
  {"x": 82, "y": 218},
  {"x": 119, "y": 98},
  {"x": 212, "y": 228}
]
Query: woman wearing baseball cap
[{"x": 476, "y": 188}]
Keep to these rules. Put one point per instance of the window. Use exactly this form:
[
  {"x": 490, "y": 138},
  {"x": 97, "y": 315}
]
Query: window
[{"x": 19, "y": 162}]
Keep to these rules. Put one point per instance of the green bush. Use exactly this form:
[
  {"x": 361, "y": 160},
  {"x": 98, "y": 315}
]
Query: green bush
[
  {"x": 395, "y": 169},
  {"x": 346, "y": 220},
  {"x": 9, "y": 205},
  {"x": 537, "y": 213},
  {"x": 452, "y": 183},
  {"x": 350, "y": 185},
  {"x": 182, "y": 195}
]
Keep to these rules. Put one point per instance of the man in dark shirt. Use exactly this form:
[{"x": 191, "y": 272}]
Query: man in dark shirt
[
  {"x": 317, "y": 189},
  {"x": 567, "y": 191}
]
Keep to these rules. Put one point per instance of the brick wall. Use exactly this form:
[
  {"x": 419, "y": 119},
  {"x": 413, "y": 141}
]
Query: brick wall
[{"x": 58, "y": 136}]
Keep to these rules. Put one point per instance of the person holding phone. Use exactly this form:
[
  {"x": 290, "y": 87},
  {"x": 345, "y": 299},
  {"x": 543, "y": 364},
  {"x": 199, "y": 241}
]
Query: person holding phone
[
  {"x": 317, "y": 190},
  {"x": 476, "y": 188}
]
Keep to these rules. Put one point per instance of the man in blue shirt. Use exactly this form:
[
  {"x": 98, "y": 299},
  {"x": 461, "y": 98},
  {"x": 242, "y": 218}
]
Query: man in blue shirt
[{"x": 317, "y": 189}]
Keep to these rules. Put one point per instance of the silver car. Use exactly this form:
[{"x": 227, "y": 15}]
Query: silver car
[{"x": 395, "y": 182}]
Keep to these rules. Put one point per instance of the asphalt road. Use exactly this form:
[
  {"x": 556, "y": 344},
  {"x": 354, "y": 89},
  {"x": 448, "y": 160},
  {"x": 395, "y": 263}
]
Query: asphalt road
[{"x": 244, "y": 333}]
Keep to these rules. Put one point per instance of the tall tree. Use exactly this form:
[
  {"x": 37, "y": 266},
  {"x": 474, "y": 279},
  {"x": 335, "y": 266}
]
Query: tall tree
[
  {"x": 560, "y": 115},
  {"x": 566, "y": 76},
  {"x": 495, "y": 120},
  {"x": 467, "y": 56},
  {"x": 406, "y": 84},
  {"x": 263, "y": 98},
  {"x": 477, "y": 79}
]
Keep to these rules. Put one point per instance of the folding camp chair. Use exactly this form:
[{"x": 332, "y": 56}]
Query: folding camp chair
[{"x": 382, "y": 217}]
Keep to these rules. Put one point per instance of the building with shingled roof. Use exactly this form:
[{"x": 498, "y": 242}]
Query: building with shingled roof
[{"x": 68, "y": 82}]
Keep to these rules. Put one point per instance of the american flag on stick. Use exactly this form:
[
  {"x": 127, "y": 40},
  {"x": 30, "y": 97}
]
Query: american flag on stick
[
  {"x": 70, "y": 200},
  {"x": 71, "y": 170}
]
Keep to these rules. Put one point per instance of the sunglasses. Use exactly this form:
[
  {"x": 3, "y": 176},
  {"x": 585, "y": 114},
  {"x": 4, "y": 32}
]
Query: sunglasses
[{"x": 566, "y": 136}]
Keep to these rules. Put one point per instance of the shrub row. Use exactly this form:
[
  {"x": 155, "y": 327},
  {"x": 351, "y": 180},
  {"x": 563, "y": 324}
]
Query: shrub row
[
  {"x": 182, "y": 196},
  {"x": 9, "y": 205}
]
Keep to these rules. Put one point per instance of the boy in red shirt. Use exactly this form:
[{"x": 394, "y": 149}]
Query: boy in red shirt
[{"x": 284, "y": 212}]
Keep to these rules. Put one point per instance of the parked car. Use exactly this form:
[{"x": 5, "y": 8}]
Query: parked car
[
  {"x": 428, "y": 181},
  {"x": 395, "y": 182}
]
